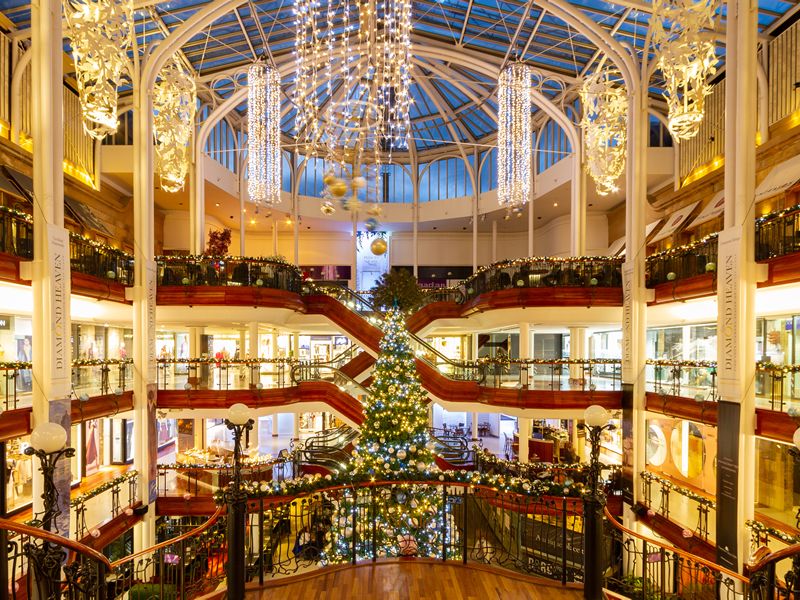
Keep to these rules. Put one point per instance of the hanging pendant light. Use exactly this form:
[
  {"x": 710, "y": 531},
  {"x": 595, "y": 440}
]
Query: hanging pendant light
[
  {"x": 514, "y": 136},
  {"x": 174, "y": 105},
  {"x": 263, "y": 134}
]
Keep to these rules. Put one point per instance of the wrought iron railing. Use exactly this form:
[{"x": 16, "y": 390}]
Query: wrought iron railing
[
  {"x": 454, "y": 295},
  {"x": 540, "y": 272},
  {"x": 778, "y": 234},
  {"x": 669, "y": 266},
  {"x": 476, "y": 524},
  {"x": 228, "y": 271},
  {"x": 16, "y": 233},
  {"x": 703, "y": 505},
  {"x": 109, "y": 499},
  {"x": 190, "y": 480},
  {"x": 38, "y": 564},
  {"x": 100, "y": 260},
  {"x": 643, "y": 567}
]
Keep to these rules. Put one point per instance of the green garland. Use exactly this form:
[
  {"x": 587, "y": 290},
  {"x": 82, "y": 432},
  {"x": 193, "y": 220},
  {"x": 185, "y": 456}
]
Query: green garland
[
  {"x": 276, "y": 260},
  {"x": 101, "y": 245},
  {"x": 487, "y": 458},
  {"x": 100, "y": 362},
  {"x": 777, "y": 214},
  {"x": 689, "y": 364},
  {"x": 681, "y": 250},
  {"x": 666, "y": 483},
  {"x": 518, "y": 262},
  {"x": 219, "y": 466},
  {"x": 775, "y": 368},
  {"x": 17, "y": 213},
  {"x": 760, "y": 528},
  {"x": 315, "y": 483},
  {"x": 551, "y": 361},
  {"x": 208, "y": 360},
  {"x": 103, "y": 487}
]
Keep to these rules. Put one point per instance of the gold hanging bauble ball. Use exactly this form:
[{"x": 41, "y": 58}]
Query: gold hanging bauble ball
[
  {"x": 378, "y": 247},
  {"x": 337, "y": 188},
  {"x": 329, "y": 178},
  {"x": 359, "y": 183}
]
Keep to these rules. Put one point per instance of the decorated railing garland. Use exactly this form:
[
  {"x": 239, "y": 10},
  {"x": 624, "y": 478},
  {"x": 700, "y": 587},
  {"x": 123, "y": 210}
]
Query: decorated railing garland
[
  {"x": 682, "y": 250},
  {"x": 688, "y": 364},
  {"x": 777, "y": 214},
  {"x": 210, "y": 360},
  {"x": 519, "y": 262},
  {"x": 103, "y": 487},
  {"x": 758, "y": 528},
  {"x": 313, "y": 483},
  {"x": 17, "y": 213},
  {"x": 666, "y": 483},
  {"x": 550, "y": 361},
  {"x": 274, "y": 260},
  {"x": 101, "y": 246}
]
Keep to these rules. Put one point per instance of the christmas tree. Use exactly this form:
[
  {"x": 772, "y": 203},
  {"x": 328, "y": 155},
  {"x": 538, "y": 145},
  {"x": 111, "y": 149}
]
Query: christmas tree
[{"x": 403, "y": 519}]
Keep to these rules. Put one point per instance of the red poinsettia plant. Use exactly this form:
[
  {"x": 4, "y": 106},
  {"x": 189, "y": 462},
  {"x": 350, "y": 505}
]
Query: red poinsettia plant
[{"x": 218, "y": 242}]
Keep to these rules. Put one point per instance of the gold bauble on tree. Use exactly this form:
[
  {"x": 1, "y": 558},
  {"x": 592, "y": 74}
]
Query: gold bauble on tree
[
  {"x": 378, "y": 247},
  {"x": 337, "y": 188},
  {"x": 329, "y": 178}
]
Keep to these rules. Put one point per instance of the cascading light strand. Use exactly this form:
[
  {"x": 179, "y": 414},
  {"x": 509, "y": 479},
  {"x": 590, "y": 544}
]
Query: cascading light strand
[
  {"x": 514, "y": 136},
  {"x": 263, "y": 134}
]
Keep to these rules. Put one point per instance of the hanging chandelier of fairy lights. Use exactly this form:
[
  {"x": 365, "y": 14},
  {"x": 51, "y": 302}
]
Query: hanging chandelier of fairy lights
[
  {"x": 514, "y": 136},
  {"x": 263, "y": 134},
  {"x": 363, "y": 66},
  {"x": 604, "y": 124},
  {"x": 174, "y": 105},
  {"x": 686, "y": 58},
  {"x": 100, "y": 33}
]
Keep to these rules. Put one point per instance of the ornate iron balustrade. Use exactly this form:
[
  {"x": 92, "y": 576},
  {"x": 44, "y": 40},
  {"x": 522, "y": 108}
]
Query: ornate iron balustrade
[
  {"x": 666, "y": 487},
  {"x": 16, "y": 233},
  {"x": 778, "y": 234},
  {"x": 669, "y": 266},
  {"x": 228, "y": 271},
  {"x": 643, "y": 567},
  {"x": 544, "y": 272},
  {"x": 99, "y": 260},
  {"x": 108, "y": 499},
  {"x": 190, "y": 480}
]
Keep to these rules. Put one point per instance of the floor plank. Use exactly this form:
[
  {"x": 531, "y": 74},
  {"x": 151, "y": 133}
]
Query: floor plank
[{"x": 413, "y": 580}]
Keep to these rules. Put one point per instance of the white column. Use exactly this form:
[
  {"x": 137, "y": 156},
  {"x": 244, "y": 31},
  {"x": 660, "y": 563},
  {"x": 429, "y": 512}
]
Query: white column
[
  {"x": 525, "y": 352},
  {"x": 243, "y": 337},
  {"x": 736, "y": 292},
  {"x": 415, "y": 234},
  {"x": 194, "y": 341},
  {"x": 354, "y": 247},
  {"x": 475, "y": 233},
  {"x": 577, "y": 350},
  {"x": 634, "y": 299},
  {"x": 296, "y": 345},
  {"x": 530, "y": 228},
  {"x": 274, "y": 345},
  {"x": 274, "y": 235},
  {"x": 577, "y": 246},
  {"x": 197, "y": 204},
  {"x": 296, "y": 231},
  {"x": 524, "y": 435},
  {"x": 242, "y": 216},
  {"x": 51, "y": 348},
  {"x": 494, "y": 240},
  {"x": 475, "y": 427},
  {"x": 296, "y": 425},
  {"x": 475, "y": 346},
  {"x": 144, "y": 304},
  {"x": 253, "y": 348}
]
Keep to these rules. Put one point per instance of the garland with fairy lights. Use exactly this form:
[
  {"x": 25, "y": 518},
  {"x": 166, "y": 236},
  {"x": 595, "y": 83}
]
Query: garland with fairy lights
[
  {"x": 308, "y": 483},
  {"x": 762, "y": 530},
  {"x": 777, "y": 214},
  {"x": 101, "y": 362},
  {"x": 689, "y": 364},
  {"x": 100, "y": 246},
  {"x": 666, "y": 483},
  {"x": 17, "y": 213},
  {"x": 550, "y": 361},
  {"x": 103, "y": 487},
  {"x": 518, "y": 262},
  {"x": 210, "y": 360},
  {"x": 684, "y": 249},
  {"x": 274, "y": 260}
]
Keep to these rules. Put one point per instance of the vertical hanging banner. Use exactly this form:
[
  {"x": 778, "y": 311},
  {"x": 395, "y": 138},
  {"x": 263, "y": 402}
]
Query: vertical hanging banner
[
  {"x": 627, "y": 321},
  {"x": 152, "y": 444},
  {"x": 60, "y": 369},
  {"x": 628, "y": 378},
  {"x": 59, "y": 412},
  {"x": 152, "y": 391},
  {"x": 728, "y": 300},
  {"x": 150, "y": 291}
]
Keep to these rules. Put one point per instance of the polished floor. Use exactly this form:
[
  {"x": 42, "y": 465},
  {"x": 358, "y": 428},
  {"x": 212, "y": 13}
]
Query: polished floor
[{"x": 415, "y": 580}]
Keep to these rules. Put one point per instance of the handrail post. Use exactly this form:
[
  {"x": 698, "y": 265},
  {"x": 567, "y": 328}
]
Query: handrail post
[
  {"x": 464, "y": 531},
  {"x": 564, "y": 541}
]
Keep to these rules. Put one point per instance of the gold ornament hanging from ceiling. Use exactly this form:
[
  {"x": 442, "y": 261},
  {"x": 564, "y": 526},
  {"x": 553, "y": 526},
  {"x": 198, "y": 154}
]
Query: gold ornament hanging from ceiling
[
  {"x": 100, "y": 33},
  {"x": 174, "y": 104},
  {"x": 686, "y": 58},
  {"x": 605, "y": 106}
]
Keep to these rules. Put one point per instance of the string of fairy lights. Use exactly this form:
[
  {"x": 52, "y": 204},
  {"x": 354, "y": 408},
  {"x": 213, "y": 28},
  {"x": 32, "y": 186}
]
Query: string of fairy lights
[
  {"x": 263, "y": 134},
  {"x": 514, "y": 136}
]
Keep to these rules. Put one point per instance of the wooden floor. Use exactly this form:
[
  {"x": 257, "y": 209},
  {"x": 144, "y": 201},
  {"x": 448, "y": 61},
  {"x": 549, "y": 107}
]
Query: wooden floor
[{"x": 414, "y": 581}]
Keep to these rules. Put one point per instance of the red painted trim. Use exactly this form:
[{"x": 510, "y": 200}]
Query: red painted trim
[
  {"x": 698, "y": 286},
  {"x": 100, "y": 289},
  {"x": 683, "y": 408},
  {"x": 15, "y": 423},
  {"x": 101, "y": 406},
  {"x": 775, "y": 425}
]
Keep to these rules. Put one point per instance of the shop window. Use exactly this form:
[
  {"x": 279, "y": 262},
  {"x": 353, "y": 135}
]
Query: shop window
[
  {"x": 688, "y": 449},
  {"x": 656, "y": 446}
]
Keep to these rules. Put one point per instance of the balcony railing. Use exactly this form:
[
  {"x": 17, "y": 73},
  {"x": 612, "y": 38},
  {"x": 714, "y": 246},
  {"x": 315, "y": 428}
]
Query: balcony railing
[
  {"x": 108, "y": 500},
  {"x": 697, "y": 258},
  {"x": 228, "y": 271},
  {"x": 89, "y": 378},
  {"x": 16, "y": 233},
  {"x": 100, "y": 260},
  {"x": 536, "y": 272},
  {"x": 213, "y": 374},
  {"x": 777, "y": 386},
  {"x": 778, "y": 234},
  {"x": 182, "y": 479},
  {"x": 546, "y": 374},
  {"x": 693, "y": 502}
]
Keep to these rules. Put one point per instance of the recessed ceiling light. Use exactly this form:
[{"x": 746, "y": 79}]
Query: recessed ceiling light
[
  {"x": 252, "y": 221},
  {"x": 216, "y": 204},
  {"x": 555, "y": 203}
]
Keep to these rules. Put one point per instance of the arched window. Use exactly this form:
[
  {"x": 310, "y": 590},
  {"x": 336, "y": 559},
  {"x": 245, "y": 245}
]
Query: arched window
[
  {"x": 553, "y": 145},
  {"x": 444, "y": 178},
  {"x": 221, "y": 144}
]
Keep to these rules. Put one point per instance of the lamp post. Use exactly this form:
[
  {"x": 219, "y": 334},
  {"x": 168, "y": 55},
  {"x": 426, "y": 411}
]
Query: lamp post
[
  {"x": 239, "y": 422},
  {"x": 48, "y": 444},
  {"x": 596, "y": 421}
]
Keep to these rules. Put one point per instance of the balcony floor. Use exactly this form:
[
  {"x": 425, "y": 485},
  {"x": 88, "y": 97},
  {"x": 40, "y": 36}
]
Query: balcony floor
[{"x": 419, "y": 580}]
